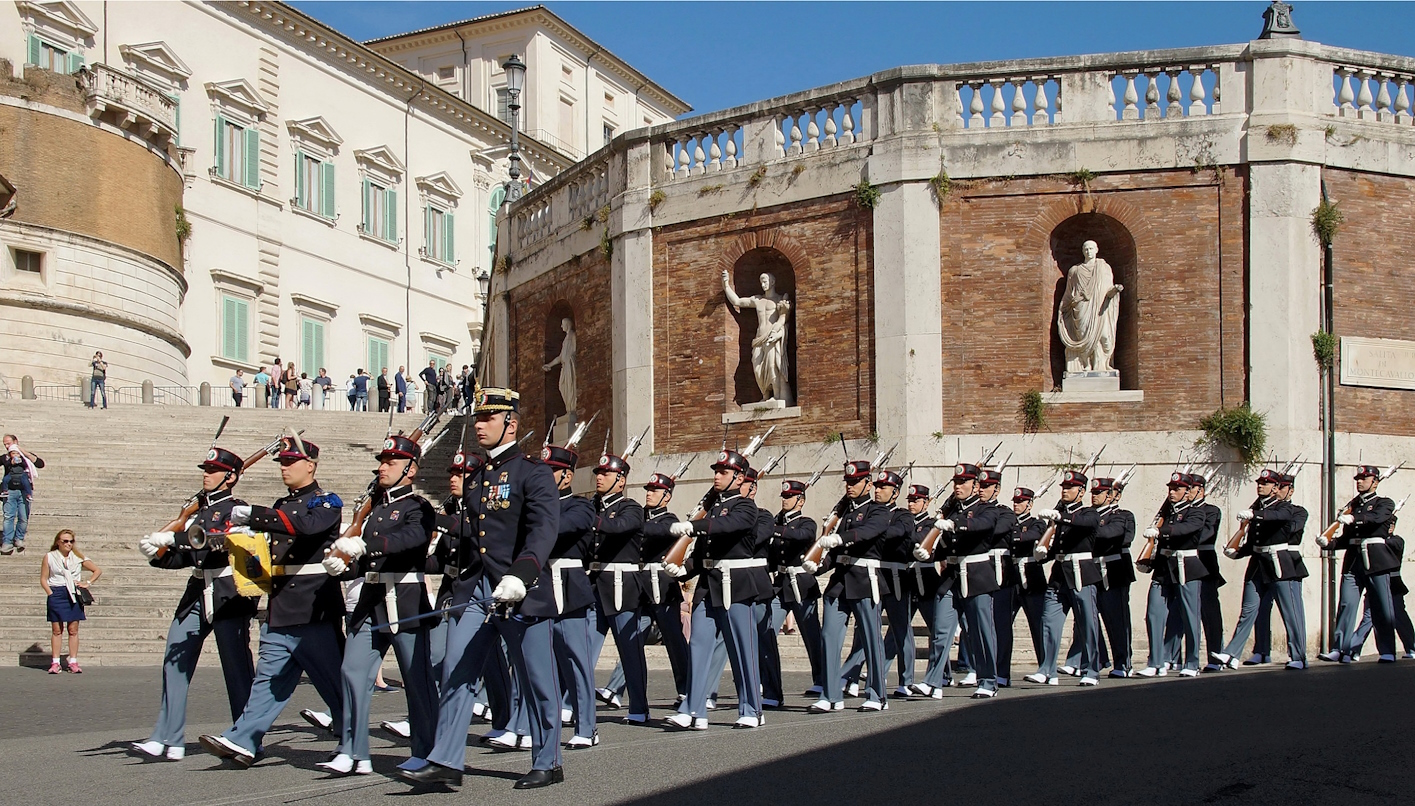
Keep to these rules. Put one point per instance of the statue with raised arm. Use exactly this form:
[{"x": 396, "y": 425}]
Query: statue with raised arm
[
  {"x": 566, "y": 362},
  {"x": 769, "y": 345},
  {"x": 1089, "y": 311}
]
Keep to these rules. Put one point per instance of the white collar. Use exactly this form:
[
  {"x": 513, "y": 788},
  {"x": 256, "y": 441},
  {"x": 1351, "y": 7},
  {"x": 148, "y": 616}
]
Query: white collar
[{"x": 500, "y": 449}]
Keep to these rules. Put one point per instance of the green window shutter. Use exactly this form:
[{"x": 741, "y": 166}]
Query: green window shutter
[
  {"x": 326, "y": 169},
  {"x": 177, "y": 114},
  {"x": 428, "y": 245},
  {"x": 228, "y": 327},
  {"x": 302, "y": 198},
  {"x": 243, "y": 337},
  {"x": 449, "y": 252},
  {"x": 312, "y": 345},
  {"x": 221, "y": 147},
  {"x": 74, "y": 62},
  {"x": 252, "y": 178},
  {"x": 367, "y": 220},
  {"x": 35, "y": 50},
  {"x": 390, "y": 215}
]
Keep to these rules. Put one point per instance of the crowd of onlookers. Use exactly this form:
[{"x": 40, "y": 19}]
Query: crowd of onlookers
[{"x": 282, "y": 387}]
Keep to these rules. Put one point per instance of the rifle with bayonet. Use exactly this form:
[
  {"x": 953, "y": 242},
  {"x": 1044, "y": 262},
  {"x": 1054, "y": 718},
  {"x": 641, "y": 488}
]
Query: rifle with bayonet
[
  {"x": 683, "y": 546},
  {"x": 1044, "y": 545},
  {"x": 816, "y": 553},
  {"x": 1145, "y": 561},
  {"x": 364, "y": 505},
  {"x": 1235, "y": 542},
  {"x": 1328, "y": 535}
]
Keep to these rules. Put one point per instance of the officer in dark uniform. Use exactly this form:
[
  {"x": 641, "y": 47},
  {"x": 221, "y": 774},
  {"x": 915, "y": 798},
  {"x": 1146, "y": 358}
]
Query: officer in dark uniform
[
  {"x": 389, "y": 555},
  {"x": 796, "y": 591},
  {"x": 1029, "y": 582},
  {"x": 1365, "y": 569},
  {"x": 892, "y": 545},
  {"x": 209, "y": 605},
  {"x": 305, "y": 607},
  {"x": 937, "y": 602},
  {"x": 665, "y": 596},
  {"x": 617, "y": 540},
  {"x": 1263, "y": 631},
  {"x": 989, "y": 485},
  {"x": 854, "y": 588},
  {"x": 511, "y": 521},
  {"x": 970, "y": 545},
  {"x": 1269, "y": 520},
  {"x": 1114, "y": 534},
  {"x": 1174, "y": 584},
  {"x": 1074, "y": 577},
  {"x": 1210, "y": 612},
  {"x": 732, "y": 565},
  {"x": 1404, "y": 629},
  {"x": 571, "y": 596},
  {"x": 900, "y": 586}
]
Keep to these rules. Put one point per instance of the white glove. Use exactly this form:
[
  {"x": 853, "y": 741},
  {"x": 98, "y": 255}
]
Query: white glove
[
  {"x": 334, "y": 564},
  {"x": 351, "y": 547},
  {"x": 829, "y": 542},
  {"x": 1048, "y": 514},
  {"x": 1245, "y": 515},
  {"x": 1231, "y": 554},
  {"x": 1151, "y": 533},
  {"x": 681, "y": 529},
  {"x": 945, "y": 525},
  {"x": 240, "y": 515},
  {"x": 1039, "y": 554},
  {"x": 1346, "y": 519},
  {"x": 1322, "y": 542},
  {"x": 147, "y": 547},
  {"x": 921, "y": 554},
  {"x": 675, "y": 571},
  {"x": 161, "y": 539},
  {"x": 509, "y": 589},
  {"x": 810, "y": 567}
]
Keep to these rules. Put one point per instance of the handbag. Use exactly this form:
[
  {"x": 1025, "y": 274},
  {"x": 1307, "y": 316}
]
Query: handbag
[{"x": 85, "y": 597}]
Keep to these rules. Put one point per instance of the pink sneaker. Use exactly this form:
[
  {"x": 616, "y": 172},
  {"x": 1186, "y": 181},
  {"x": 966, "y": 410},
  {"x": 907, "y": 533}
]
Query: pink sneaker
[
  {"x": 54, "y": 667},
  {"x": 74, "y": 667}
]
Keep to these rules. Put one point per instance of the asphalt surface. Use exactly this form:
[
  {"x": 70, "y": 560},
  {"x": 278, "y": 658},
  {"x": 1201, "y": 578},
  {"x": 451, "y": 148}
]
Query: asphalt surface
[{"x": 1340, "y": 735}]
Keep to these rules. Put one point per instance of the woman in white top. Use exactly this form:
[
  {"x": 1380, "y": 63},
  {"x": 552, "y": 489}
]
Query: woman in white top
[
  {"x": 306, "y": 390},
  {"x": 60, "y": 575}
]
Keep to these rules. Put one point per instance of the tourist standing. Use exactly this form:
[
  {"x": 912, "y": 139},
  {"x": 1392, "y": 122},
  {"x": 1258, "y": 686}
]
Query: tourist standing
[
  {"x": 238, "y": 387},
  {"x": 400, "y": 388},
  {"x": 429, "y": 378},
  {"x": 323, "y": 382},
  {"x": 291, "y": 383},
  {"x": 60, "y": 575},
  {"x": 384, "y": 392},
  {"x": 361, "y": 391},
  {"x": 306, "y": 391},
  {"x": 262, "y": 385},
  {"x": 100, "y": 381},
  {"x": 20, "y": 470}
]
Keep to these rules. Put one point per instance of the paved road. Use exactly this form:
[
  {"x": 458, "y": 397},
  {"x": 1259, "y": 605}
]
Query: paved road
[{"x": 1340, "y": 735}]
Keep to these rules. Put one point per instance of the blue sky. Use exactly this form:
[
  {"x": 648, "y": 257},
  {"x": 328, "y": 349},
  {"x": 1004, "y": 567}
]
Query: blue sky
[{"x": 717, "y": 55}]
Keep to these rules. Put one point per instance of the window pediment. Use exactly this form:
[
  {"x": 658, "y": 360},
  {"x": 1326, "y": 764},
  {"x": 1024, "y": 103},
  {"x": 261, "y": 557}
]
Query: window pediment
[
  {"x": 315, "y": 131},
  {"x": 379, "y": 325},
  {"x": 231, "y": 281},
  {"x": 238, "y": 94},
  {"x": 439, "y": 185},
  {"x": 63, "y": 18},
  {"x": 441, "y": 343},
  {"x": 381, "y": 160},
  {"x": 156, "y": 58}
]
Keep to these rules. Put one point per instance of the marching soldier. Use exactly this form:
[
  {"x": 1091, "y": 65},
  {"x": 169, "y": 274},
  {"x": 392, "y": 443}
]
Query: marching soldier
[
  {"x": 989, "y": 484},
  {"x": 796, "y": 591},
  {"x": 898, "y": 562},
  {"x": 1210, "y": 611},
  {"x": 209, "y": 605},
  {"x": 1174, "y": 584},
  {"x": 665, "y": 596},
  {"x": 1366, "y": 569},
  {"x": 732, "y": 565},
  {"x": 570, "y": 596},
  {"x": 1114, "y": 534},
  {"x": 1263, "y": 633},
  {"x": 617, "y": 540},
  {"x": 854, "y": 588},
  {"x": 1403, "y": 627},
  {"x": 1269, "y": 522},
  {"x": 305, "y": 607},
  {"x": 511, "y": 521},
  {"x": 1028, "y": 582},
  {"x": 390, "y": 554},
  {"x": 1074, "y": 576}
]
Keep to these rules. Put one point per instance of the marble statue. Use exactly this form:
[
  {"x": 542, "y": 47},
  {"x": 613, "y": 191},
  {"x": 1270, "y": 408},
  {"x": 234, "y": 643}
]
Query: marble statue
[
  {"x": 566, "y": 362},
  {"x": 1089, "y": 311},
  {"x": 769, "y": 359}
]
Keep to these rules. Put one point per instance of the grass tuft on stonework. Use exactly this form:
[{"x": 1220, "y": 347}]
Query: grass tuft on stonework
[
  {"x": 1324, "y": 349},
  {"x": 1239, "y": 428},
  {"x": 1326, "y": 221},
  {"x": 1032, "y": 411}
]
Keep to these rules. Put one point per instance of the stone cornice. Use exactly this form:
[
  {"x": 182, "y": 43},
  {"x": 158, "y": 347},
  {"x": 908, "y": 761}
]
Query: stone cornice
[{"x": 83, "y": 310}]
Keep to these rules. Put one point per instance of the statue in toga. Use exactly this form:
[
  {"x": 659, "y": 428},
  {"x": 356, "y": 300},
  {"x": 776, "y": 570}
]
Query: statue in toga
[
  {"x": 1089, "y": 311},
  {"x": 566, "y": 362},
  {"x": 769, "y": 345}
]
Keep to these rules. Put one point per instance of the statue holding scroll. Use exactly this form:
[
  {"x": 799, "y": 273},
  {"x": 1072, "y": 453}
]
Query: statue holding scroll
[
  {"x": 769, "y": 345},
  {"x": 1089, "y": 311}
]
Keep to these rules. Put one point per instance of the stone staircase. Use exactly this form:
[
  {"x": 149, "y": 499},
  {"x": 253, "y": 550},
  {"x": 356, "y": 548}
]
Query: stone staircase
[{"x": 115, "y": 475}]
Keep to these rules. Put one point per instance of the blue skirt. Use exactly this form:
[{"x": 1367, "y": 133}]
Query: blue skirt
[{"x": 61, "y": 608}]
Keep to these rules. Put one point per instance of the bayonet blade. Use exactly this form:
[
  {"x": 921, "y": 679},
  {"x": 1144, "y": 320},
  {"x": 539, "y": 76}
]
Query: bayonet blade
[
  {"x": 220, "y": 428},
  {"x": 635, "y": 443},
  {"x": 815, "y": 477}
]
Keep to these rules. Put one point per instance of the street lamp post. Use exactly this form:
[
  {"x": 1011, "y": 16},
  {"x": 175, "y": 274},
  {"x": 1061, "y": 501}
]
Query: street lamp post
[{"x": 515, "y": 80}]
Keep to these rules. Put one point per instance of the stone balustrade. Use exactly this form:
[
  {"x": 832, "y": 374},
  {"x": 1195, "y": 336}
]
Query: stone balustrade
[
  {"x": 1372, "y": 93},
  {"x": 133, "y": 103}
]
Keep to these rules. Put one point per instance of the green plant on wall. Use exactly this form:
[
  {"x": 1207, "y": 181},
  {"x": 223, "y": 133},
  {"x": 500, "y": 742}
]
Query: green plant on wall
[
  {"x": 1239, "y": 428},
  {"x": 1324, "y": 349},
  {"x": 606, "y": 245},
  {"x": 866, "y": 195},
  {"x": 184, "y": 227},
  {"x": 1032, "y": 411},
  {"x": 941, "y": 185},
  {"x": 656, "y": 198},
  {"x": 1326, "y": 220}
]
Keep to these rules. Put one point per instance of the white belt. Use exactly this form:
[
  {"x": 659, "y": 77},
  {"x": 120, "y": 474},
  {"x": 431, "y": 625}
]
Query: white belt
[
  {"x": 1273, "y": 555},
  {"x": 619, "y": 569},
  {"x": 308, "y": 569},
  {"x": 557, "y": 582},
  {"x": 726, "y": 566},
  {"x": 1075, "y": 561},
  {"x": 791, "y": 571},
  {"x": 653, "y": 569},
  {"x": 1366, "y": 552},
  {"x": 1181, "y": 554},
  {"x": 208, "y": 576},
  {"x": 390, "y": 581},
  {"x": 994, "y": 556},
  {"x": 870, "y": 567}
]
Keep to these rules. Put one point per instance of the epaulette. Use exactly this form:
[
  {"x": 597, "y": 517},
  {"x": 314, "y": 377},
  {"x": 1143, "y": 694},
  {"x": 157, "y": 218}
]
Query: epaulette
[{"x": 325, "y": 499}]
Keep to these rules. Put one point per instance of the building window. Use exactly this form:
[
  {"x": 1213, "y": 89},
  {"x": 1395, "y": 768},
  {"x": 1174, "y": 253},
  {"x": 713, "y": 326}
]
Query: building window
[
  {"x": 47, "y": 56},
  {"x": 28, "y": 261},
  {"x": 237, "y": 152},
  {"x": 377, "y": 355},
  {"x": 439, "y": 243},
  {"x": 446, "y": 73},
  {"x": 608, "y": 133},
  {"x": 235, "y": 328},
  {"x": 314, "y": 184},
  {"x": 380, "y": 211},
  {"x": 439, "y": 361},
  {"x": 503, "y": 108},
  {"x": 498, "y": 195},
  {"x": 311, "y": 344}
]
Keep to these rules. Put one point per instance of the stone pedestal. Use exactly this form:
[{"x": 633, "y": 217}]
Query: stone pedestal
[
  {"x": 1108, "y": 381},
  {"x": 764, "y": 405}
]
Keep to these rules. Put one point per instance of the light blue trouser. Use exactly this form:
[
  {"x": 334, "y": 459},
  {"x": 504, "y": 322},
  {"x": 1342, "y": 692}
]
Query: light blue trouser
[
  {"x": 1114, "y": 606},
  {"x": 629, "y": 641},
  {"x": 1171, "y": 600},
  {"x": 472, "y": 641},
  {"x": 981, "y": 638},
  {"x": 835, "y": 615},
  {"x": 670, "y": 628},
  {"x": 1085, "y": 629},
  {"x": 1006, "y": 603},
  {"x": 1403, "y": 627},
  {"x": 284, "y": 653},
  {"x": 899, "y": 639},
  {"x": 572, "y": 656},
  {"x": 1054, "y": 610},
  {"x": 1255, "y": 592},
  {"x": 185, "y": 639},
  {"x": 16, "y": 518},
  {"x": 363, "y": 657},
  {"x": 808, "y": 622},
  {"x": 737, "y": 625},
  {"x": 942, "y": 621},
  {"x": 1377, "y": 590}
]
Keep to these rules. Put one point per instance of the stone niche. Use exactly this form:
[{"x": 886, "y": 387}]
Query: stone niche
[
  {"x": 1116, "y": 246},
  {"x": 554, "y": 339},
  {"x": 745, "y": 274}
]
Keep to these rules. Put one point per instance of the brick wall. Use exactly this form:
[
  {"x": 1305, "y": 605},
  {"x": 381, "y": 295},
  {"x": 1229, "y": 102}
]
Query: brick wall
[
  {"x": 698, "y": 372},
  {"x": 578, "y": 288},
  {"x": 76, "y": 177},
  {"x": 1005, "y": 247},
  {"x": 1372, "y": 292}
]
